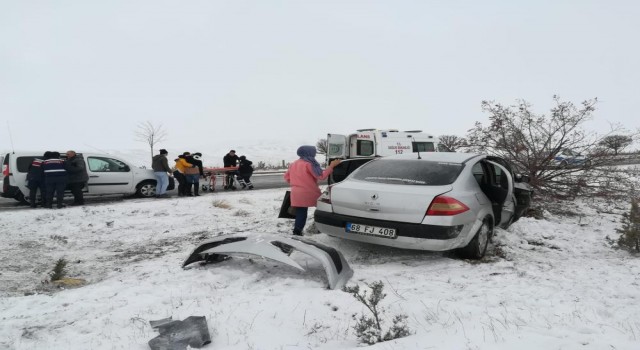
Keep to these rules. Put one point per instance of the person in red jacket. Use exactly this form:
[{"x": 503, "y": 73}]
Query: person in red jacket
[{"x": 303, "y": 176}]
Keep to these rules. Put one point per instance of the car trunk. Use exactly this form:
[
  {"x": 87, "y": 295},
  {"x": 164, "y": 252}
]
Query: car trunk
[{"x": 404, "y": 203}]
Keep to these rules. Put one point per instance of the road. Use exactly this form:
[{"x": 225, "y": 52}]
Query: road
[{"x": 260, "y": 181}]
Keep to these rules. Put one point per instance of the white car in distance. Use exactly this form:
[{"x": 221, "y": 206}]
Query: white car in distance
[{"x": 108, "y": 175}]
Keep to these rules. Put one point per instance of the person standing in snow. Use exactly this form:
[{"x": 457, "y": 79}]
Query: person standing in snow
[
  {"x": 303, "y": 176},
  {"x": 55, "y": 179},
  {"x": 161, "y": 170},
  {"x": 77, "y": 176},
  {"x": 35, "y": 181},
  {"x": 179, "y": 174},
  {"x": 245, "y": 170},
  {"x": 194, "y": 173},
  {"x": 230, "y": 160}
]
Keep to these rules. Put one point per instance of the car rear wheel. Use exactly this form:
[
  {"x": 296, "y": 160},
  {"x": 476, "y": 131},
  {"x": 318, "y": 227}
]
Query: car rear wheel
[
  {"x": 477, "y": 247},
  {"x": 146, "y": 189}
]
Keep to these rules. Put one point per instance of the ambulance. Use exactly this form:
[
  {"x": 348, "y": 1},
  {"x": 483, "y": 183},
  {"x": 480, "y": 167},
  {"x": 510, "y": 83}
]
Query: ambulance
[
  {"x": 379, "y": 143},
  {"x": 366, "y": 144}
]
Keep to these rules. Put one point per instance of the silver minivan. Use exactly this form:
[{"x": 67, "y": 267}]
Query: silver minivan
[{"x": 108, "y": 175}]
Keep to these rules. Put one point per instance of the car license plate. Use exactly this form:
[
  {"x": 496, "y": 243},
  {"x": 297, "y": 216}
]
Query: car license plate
[{"x": 371, "y": 230}]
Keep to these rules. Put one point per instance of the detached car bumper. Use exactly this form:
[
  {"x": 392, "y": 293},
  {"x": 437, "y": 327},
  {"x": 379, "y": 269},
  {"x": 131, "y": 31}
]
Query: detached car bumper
[{"x": 408, "y": 236}]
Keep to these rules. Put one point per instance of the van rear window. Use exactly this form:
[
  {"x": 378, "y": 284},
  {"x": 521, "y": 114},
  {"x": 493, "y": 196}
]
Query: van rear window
[
  {"x": 23, "y": 163},
  {"x": 409, "y": 172}
]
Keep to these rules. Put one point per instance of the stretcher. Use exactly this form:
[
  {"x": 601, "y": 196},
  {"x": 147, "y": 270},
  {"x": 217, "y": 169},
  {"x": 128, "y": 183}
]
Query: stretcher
[{"x": 211, "y": 174}]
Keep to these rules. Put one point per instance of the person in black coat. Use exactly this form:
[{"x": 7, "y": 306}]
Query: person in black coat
[
  {"x": 194, "y": 179},
  {"x": 196, "y": 159},
  {"x": 35, "y": 180},
  {"x": 230, "y": 160},
  {"x": 77, "y": 176},
  {"x": 55, "y": 178},
  {"x": 245, "y": 170}
]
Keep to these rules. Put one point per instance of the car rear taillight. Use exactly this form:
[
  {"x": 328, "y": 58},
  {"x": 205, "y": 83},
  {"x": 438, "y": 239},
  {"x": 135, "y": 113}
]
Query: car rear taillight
[
  {"x": 443, "y": 205},
  {"x": 5, "y": 169},
  {"x": 325, "y": 197}
]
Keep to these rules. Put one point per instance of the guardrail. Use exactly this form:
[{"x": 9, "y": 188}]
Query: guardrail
[
  {"x": 622, "y": 159},
  {"x": 269, "y": 172}
]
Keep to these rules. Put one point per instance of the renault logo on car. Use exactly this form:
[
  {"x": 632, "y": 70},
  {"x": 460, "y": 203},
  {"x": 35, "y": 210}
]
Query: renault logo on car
[{"x": 374, "y": 197}]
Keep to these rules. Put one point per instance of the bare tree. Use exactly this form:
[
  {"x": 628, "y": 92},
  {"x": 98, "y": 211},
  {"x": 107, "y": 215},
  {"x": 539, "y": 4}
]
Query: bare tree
[
  {"x": 321, "y": 146},
  {"x": 531, "y": 143},
  {"x": 616, "y": 142},
  {"x": 150, "y": 134},
  {"x": 452, "y": 142}
]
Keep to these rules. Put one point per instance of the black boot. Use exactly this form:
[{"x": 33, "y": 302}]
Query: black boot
[
  {"x": 196, "y": 189},
  {"x": 297, "y": 232}
]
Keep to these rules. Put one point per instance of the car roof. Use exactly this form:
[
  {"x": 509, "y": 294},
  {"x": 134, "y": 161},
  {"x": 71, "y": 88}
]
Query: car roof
[
  {"x": 28, "y": 153},
  {"x": 451, "y": 157}
]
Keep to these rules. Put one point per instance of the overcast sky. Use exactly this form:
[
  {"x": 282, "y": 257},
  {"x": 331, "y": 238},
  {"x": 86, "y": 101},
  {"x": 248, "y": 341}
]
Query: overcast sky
[{"x": 78, "y": 74}]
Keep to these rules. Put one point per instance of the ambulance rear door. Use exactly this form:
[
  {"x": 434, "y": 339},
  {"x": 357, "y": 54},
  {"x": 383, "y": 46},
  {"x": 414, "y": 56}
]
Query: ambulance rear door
[{"x": 337, "y": 146}]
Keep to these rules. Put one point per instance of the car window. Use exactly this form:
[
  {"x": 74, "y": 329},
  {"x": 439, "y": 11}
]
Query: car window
[
  {"x": 478, "y": 173},
  {"x": 423, "y": 147},
  {"x": 498, "y": 173},
  {"x": 409, "y": 172},
  {"x": 104, "y": 164}
]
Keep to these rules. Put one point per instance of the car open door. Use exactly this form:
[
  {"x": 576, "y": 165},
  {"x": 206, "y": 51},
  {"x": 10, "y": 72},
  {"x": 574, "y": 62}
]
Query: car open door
[
  {"x": 337, "y": 146},
  {"x": 509, "y": 206}
]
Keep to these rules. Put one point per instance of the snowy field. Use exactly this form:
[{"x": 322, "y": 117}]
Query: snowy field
[{"x": 547, "y": 284}]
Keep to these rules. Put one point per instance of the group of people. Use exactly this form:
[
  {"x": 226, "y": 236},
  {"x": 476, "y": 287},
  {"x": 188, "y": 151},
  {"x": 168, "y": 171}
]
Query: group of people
[
  {"x": 303, "y": 176},
  {"x": 53, "y": 175},
  {"x": 189, "y": 169}
]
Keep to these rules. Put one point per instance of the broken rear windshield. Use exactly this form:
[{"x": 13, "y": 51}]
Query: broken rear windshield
[{"x": 409, "y": 172}]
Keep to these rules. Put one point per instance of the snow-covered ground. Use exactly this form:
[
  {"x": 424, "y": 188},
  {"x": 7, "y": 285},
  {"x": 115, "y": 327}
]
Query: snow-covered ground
[{"x": 547, "y": 284}]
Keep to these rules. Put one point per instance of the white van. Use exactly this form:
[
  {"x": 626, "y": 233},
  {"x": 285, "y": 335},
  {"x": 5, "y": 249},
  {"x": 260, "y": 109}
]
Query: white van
[{"x": 108, "y": 175}]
